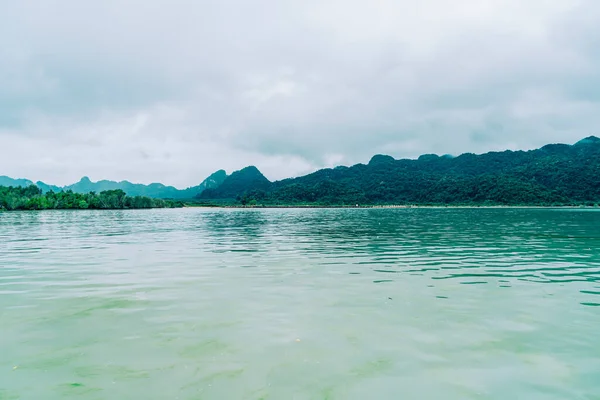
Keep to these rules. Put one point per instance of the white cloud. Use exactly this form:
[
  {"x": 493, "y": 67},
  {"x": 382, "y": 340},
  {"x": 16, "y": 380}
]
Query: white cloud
[{"x": 171, "y": 91}]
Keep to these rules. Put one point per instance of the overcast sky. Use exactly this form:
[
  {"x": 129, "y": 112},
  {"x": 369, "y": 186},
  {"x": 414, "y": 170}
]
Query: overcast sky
[{"x": 170, "y": 91}]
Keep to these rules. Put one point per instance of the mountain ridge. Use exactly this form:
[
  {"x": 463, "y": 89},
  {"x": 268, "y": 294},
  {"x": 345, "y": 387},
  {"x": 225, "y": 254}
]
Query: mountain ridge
[
  {"x": 154, "y": 190},
  {"x": 552, "y": 174},
  {"x": 249, "y": 178}
]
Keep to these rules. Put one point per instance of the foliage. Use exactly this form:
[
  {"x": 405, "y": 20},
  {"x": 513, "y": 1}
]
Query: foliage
[
  {"x": 32, "y": 198},
  {"x": 553, "y": 175}
]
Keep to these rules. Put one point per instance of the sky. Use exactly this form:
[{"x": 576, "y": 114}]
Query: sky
[{"x": 171, "y": 91}]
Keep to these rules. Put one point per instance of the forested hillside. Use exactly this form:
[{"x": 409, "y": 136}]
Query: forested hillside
[
  {"x": 556, "y": 174},
  {"x": 238, "y": 183}
]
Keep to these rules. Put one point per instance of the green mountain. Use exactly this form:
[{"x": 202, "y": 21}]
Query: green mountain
[
  {"x": 554, "y": 174},
  {"x": 85, "y": 185},
  {"x": 47, "y": 188},
  {"x": 154, "y": 190},
  {"x": 213, "y": 181},
  {"x": 238, "y": 183},
  {"x": 7, "y": 181}
]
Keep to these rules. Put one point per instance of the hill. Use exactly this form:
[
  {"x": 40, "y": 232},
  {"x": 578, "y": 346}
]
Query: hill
[
  {"x": 237, "y": 184},
  {"x": 8, "y": 181},
  {"x": 46, "y": 188},
  {"x": 554, "y": 174},
  {"x": 153, "y": 190}
]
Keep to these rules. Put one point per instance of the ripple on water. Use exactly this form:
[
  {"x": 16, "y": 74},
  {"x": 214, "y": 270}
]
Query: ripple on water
[{"x": 307, "y": 303}]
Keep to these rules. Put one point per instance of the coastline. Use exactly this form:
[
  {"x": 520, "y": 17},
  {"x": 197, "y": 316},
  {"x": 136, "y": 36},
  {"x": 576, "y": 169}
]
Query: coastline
[
  {"x": 315, "y": 206},
  {"x": 379, "y": 207}
]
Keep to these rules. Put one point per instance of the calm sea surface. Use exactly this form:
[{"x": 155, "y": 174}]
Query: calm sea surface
[{"x": 300, "y": 304}]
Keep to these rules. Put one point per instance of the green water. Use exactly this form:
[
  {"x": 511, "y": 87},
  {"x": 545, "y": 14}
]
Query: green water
[{"x": 300, "y": 304}]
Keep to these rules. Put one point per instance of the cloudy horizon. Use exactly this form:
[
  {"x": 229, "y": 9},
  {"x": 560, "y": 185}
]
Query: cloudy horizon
[{"x": 157, "y": 91}]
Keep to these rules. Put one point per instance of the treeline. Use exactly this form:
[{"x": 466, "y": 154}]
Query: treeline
[
  {"x": 555, "y": 175},
  {"x": 32, "y": 198},
  {"x": 487, "y": 190}
]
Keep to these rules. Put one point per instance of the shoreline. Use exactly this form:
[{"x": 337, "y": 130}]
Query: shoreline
[
  {"x": 342, "y": 207},
  {"x": 588, "y": 208},
  {"x": 376, "y": 207}
]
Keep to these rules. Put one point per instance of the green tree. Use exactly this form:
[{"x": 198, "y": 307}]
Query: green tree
[{"x": 31, "y": 198}]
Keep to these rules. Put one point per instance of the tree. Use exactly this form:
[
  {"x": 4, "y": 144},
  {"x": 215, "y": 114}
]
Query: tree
[{"x": 31, "y": 198}]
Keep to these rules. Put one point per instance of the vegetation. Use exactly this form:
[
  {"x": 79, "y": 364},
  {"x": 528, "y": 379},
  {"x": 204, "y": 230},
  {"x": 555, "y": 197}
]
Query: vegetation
[
  {"x": 32, "y": 198},
  {"x": 237, "y": 184},
  {"x": 556, "y": 174},
  {"x": 155, "y": 190}
]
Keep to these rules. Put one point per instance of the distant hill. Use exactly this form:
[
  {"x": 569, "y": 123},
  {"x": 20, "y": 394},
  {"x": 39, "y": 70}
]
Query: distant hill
[
  {"x": 85, "y": 185},
  {"x": 7, "y": 181},
  {"x": 554, "y": 174},
  {"x": 47, "y": 188},
  {"x": 154, "y": 190}
]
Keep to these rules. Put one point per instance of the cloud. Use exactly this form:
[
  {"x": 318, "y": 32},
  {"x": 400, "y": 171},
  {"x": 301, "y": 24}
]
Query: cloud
[{"x": 171, "y": 91}]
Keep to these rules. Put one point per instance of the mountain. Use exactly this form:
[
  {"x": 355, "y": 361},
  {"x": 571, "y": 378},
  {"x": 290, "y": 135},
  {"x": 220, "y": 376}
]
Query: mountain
[
  {"x": 554, "y": 174},
  {"x": 588, "y": 140},
  {"x": 47, "y": 188},
  {"x": 154, "y": 190},
  {"x": 7, "y": 181},
  {"x": 238, "y": 183},
  {"x": 213, "y": 181},
  {"x": 157, "y": 190}
]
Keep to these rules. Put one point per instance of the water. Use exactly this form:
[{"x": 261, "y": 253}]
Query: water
[{"x": 300, "y": 304}]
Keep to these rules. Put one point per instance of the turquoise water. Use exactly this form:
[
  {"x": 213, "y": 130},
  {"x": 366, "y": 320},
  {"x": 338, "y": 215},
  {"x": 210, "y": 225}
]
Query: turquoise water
[{"x": 300, "y": 304}]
